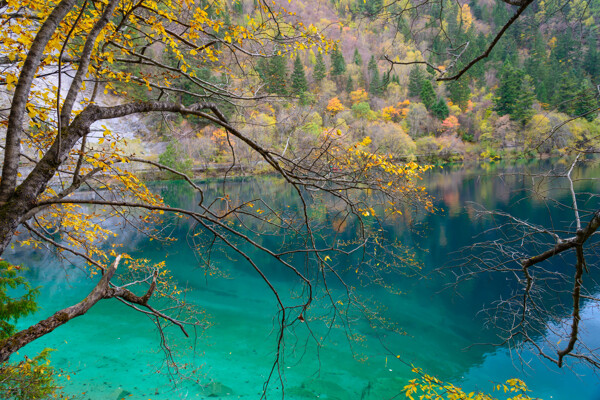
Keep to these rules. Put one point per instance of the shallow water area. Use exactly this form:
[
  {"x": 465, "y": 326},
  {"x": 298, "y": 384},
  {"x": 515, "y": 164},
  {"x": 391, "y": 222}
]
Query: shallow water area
[{"x": 114, "y": 352}]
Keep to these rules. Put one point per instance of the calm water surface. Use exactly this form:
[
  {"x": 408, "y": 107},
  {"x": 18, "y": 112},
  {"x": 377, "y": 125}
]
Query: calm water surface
[{"x": 113, "y": 351}]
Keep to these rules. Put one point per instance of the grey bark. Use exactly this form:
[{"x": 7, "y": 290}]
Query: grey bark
[{"x": 21, "y": 95}]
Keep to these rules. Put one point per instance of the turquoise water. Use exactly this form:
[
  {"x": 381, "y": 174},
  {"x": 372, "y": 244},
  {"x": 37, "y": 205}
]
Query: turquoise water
[{"x": 112, "y": 351}]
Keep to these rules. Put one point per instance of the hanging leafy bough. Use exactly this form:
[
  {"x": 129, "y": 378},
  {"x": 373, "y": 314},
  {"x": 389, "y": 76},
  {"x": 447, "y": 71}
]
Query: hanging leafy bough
[{"x": 52, "y": 163}]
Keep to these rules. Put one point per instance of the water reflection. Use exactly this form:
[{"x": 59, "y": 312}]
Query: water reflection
[{"x": 440, "y": 323}]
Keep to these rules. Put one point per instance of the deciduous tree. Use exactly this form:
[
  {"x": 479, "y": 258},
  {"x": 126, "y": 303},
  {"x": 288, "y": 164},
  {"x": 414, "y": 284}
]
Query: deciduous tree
[{"x": 116, "y": 47}]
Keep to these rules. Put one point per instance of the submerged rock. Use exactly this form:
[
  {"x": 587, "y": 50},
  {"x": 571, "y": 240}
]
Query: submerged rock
[
  {"x": 319, "y": 389},
  {"x": 120, "y": 394},
  {"x": 297, "y": 392},
  {"x": 216, "y": 389},
  {"x": 384, "y": 388}
]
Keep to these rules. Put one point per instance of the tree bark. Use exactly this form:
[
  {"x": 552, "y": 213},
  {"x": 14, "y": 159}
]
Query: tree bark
[
  {"x": 101, "y": 291},
  {"x": 21, "y": 95}
]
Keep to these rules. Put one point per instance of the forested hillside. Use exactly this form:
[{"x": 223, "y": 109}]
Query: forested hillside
[{"x": 382, "y": 80}]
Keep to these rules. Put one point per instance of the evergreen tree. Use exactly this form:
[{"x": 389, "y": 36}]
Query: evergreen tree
[
  {"x": 349, "y": 84},
  {"x": 273, "y": 72},
  {"x": 299, "y": 84},
  {"x": 375, "y": 84},
  {"x": 591, "y": 62},
  {"x": 459, "y": 92},
  {"x": 278, "y": 75},
  {"x": 238, "y": 7},
  {"x": 480, "y": 45},
  {"x": 357, "y": 58},
  {"x": 440, "y": 109},
  {"x": 385, "y": 81},
  {"x": 369, "y": 7},
  {"x": 13, "y": 308},
  {"x": 508, "y": 89},
  {"x": 586, "y": 101},
  {"x": 537, "y": 65},
  {"x": 564, "y": 97},
  {"x": 415, "y": 79},
  {"x": 431, "y": 62},
  {"x": 338, "y": 64},
  {"x": 523, "y": 111},
  {"x": 320, "y": 70},
  {"x": 427, "y": 94}
]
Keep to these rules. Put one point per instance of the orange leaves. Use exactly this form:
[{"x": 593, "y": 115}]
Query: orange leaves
[
  {"x": 358, "y": 96},
  {"x": 450, "y": 124},
  {"x": 335, "y": 106}
]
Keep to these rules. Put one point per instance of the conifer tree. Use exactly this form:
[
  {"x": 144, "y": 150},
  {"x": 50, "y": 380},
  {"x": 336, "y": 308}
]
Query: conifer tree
[
  {"x": 13, "y": 308},
  {"x": 238, "y": 7},
  {"x": 320, "y": 70},
  {"x": 375, "y": 84},
  {"x": 459, "y": 92},
  {"x": 338, "y": 64},
  {"x": 585, "y": 101},
  {"x": 299, "y": 84},
  {"x": 508, "y": 89},
  {"x": 591, "y": 62},
  {"x": 522, "y": 110},
  {"x": 430, "y": 62},
  {"x": 415, "y": 79},
  {"x": 567, "y": 88},
  {"x": 357, "y": 58},
  {"x": 427, "y": 94},
  {"x": 349, "y": 84},
  {"x": 440, "y": 109},
  {"x": 278, "y": 77}
]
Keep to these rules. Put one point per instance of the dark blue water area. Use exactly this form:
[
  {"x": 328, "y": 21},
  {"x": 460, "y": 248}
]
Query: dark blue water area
[{"x": 429, "y": 323}]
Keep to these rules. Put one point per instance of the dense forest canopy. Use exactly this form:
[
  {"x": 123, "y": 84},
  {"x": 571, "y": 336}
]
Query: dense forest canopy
[{"x": 339, "y": 98}]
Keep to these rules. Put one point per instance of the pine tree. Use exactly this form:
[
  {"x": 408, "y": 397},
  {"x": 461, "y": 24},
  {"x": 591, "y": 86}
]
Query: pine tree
[
  {"x": 375, "y": 84},
  {"x": 567, "y": 89},
  {"x": 430, "y": 62},
  {"x": 299, "y": 84},
  {"x": 238, "y": 7},
  {"x": 508, "y": 89},
  {"x": 415, "y": 79},
  {"x": 278, "y": 76},
  {"x": 273, "y": 72},
  {"x": 591, "y": 62},
  {"x": 349, "y": 84},
  {"x": 320, "y": 70},
  {"x": 459, "y": 92},
  {"x": 523, "y": 111},
  {"x": 427, "y": 94},
  {"x": 338, "y": 64},
  {"x": 357, "y": 58},
  {"x": 440, "y": 109},
  {"x": 13, "y": 308},
  {"x": 585, "y": 101},
  {"x": 385, "y": 81}
]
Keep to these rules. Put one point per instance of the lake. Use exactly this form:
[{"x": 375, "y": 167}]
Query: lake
[{"x": 113, "y": 351}]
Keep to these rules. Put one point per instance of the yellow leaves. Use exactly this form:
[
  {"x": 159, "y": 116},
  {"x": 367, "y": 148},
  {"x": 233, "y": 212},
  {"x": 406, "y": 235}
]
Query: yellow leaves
[
  {"x": 429, "y": 387},
  {"x": 10, "y": 80},
  {"x": 465, "y": 17}
]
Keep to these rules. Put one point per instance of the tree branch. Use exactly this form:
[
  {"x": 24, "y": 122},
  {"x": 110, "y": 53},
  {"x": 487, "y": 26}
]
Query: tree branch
[
  {"x": 24, "y": 337},
  {"x": 21, "y": 95}
]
